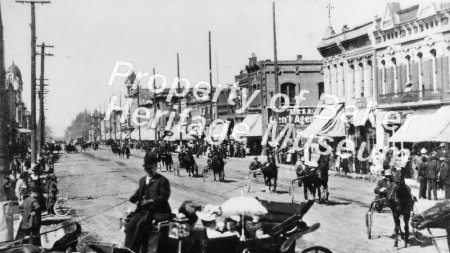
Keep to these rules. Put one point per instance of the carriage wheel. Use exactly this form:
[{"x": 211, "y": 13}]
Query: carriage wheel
[
  {"x": 369, "y": 216},
  {"x": 247, "y": 181},
  {"x": 317, "y": 249},
  {"x": 62, "y": 207}
]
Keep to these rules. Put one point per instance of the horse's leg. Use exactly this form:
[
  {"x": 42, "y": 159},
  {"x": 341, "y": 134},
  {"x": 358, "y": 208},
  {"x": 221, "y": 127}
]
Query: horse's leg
[
  {"x": 397, "y": 227},
  {"x": 266, "y": 179},
  {"x": 406, "y": 217},
  {"x": 305, "y": 190},
  {"x": 275, "y": 183},
  {"x": 318, "y": 192}
]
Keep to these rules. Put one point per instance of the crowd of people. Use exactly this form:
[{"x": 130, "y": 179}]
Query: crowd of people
[{"x": 34, "y": 186}]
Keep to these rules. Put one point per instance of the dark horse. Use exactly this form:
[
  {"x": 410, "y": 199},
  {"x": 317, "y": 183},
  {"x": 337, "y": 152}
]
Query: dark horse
[
  {"x": 188, "y": 162},
  {"x": 217, "y": 165},
  {"x": 270, "y": 172},
  {"x": 436, "y": 216},
  {"x": 400, "y": 201},
  {"x": 313, "y": 178}
]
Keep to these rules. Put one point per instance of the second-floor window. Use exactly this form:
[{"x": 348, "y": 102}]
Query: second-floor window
[{"x": 289, "y": 90}]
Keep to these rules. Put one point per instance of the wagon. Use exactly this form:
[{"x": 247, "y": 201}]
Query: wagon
[{"x": 283, "y": 226}]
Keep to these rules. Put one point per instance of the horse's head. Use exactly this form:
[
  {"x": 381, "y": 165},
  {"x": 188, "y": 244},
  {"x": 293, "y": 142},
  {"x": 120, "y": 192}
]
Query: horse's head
[{"x": 434, "y": 217}]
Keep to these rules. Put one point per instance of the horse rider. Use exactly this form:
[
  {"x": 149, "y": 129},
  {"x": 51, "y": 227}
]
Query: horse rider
[
  {"x": 152, "y": 203},
  {"x": 255, "y": 165},
  {"x": 383, "y": 185}
]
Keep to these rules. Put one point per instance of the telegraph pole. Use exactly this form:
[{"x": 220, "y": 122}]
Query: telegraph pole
[
  {"x": 41, "y": 95},
  {"x": 139, "y": 105},
  {"x": 210, "y": 83},
  {"x": 275, "y": 63},
  {"x": 4, "y": 163},
  {"x": 154, "y": 108},
  {"x": 179, "y": 100},
  {"x": 33, "y": 75}
]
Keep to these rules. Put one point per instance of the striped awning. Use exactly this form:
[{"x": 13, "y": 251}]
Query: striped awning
[
  {"x": 325, "y": 127},
  {"x": 429, "y": 125}
]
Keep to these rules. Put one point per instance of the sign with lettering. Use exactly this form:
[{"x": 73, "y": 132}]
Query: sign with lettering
[
  {"x": 361, "y": 102},
  {"x": 302, "y": 116}
]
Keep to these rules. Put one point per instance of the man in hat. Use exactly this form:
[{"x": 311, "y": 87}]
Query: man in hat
[
  {"x": 444, "y": 176},
  {"x": 152, "y": 203},
  {"x": 255, "y": 165},
  {"x": 383, "y": 185},
  {"x": 443, "y": 152},
  {"x": 431, "y": 174},
  {"x": 421, "y": 169},
  {"x": 31, "y": 218}
]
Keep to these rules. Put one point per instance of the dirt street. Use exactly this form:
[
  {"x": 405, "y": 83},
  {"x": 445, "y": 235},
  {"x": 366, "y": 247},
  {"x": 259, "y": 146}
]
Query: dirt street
[{"x": 97, "y": 180}]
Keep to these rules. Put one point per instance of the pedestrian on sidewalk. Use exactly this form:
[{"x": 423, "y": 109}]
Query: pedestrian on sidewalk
[
  {"x": 31, "y": 219},
  {"x": 444, "y": 176},
  {"x": 422, "y": 167},
  {"x": 431, "y": 174}
]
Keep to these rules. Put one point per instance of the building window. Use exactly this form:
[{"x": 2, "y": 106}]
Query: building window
[
  {"x": 408, "y": 68},
  {"x": 361, "y": 80},
  {"x": 321, "y": 89},
  {"x": 289, "y": 90},
  {"x": 395, "y": 74},
  {"x": 434, "y": 69},
  {"x": 444, "y": 21},
  {"x": 421, "y": 86}
]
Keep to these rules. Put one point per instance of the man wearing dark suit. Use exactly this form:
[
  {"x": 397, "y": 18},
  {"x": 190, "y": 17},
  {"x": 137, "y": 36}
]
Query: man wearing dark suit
[
  {"x": 152, "y": 203},
  {"x": 431, "y": 174}
]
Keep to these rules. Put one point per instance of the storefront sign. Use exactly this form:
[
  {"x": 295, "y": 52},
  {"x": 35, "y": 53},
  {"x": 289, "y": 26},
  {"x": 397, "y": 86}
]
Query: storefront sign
[
  {"x": 302, "y": 116},
  {"x": 361, "y": 103}
]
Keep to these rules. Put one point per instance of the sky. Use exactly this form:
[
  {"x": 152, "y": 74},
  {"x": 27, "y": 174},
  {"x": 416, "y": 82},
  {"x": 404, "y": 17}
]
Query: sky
[{"x": 89, "y": 36}]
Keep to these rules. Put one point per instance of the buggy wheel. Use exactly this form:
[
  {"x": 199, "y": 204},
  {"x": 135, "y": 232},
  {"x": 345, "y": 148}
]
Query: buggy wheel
[
  {"x": 369, "y": 216},
  {"x": 247, "y": 181},
  {"x": 62, "y": 207},
  {"x": 317, "y": 249}
]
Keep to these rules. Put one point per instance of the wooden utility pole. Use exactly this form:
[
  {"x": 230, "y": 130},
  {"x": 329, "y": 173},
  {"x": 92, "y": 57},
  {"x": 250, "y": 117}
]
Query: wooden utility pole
[
  {"x": 33, "y": 75},
  {"x": 179, "y": 100},
  {"x": 139, "y": 105},
  {"x": 210, "y": 83},
  {"x": 275, "y": 63},
  {"x": 154, "y": 106},
  {"x": 4, "y": 161},
  {"x": 41, "y": 95}
]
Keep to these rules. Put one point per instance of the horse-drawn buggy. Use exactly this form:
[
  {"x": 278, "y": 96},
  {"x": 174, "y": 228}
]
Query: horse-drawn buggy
[
  {"x": 313, "y": 176},
  {"x": 216, "y": 165},
  {"x": 282, "y": 224}
]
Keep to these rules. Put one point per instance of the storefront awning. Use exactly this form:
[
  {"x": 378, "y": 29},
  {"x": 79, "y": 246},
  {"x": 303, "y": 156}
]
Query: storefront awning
[
  {"x": 362, "y": 116},
  {"x": 146, "y": 134},
  {"x": 444, "y": 136},
  {"x": 335, "y": 127},
  {"x": 254, "y": 121},
  {"x": 319, "y": 125},
  {"x": 428, "y": 125}
]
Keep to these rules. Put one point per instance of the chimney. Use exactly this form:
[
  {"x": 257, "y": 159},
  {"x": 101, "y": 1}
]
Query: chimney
[{"x": 299, "y": 57}]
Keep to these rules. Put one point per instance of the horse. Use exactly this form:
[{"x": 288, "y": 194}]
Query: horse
[
  {"x": 190, "y": 164},
  {"x": 305, "y": 178},
  {"x": 217, "y": 165},
  {"x": 434, "y": 217},
  {"x": 401, "y": 202},
  {"x": 320, "y": 177},
  {"x": 270, "y": 172}
]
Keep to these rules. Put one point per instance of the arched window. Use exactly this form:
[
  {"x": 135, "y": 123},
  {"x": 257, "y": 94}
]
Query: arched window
[{"x": 289, "y": 90}]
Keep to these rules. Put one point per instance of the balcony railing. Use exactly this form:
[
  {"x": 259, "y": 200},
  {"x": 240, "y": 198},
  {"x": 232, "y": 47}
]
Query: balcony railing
[{"x": 411, "y": 96}]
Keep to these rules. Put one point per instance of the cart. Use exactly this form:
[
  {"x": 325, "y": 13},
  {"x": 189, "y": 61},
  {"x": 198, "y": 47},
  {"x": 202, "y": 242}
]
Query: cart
[{"x": 283, "y": 226}]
